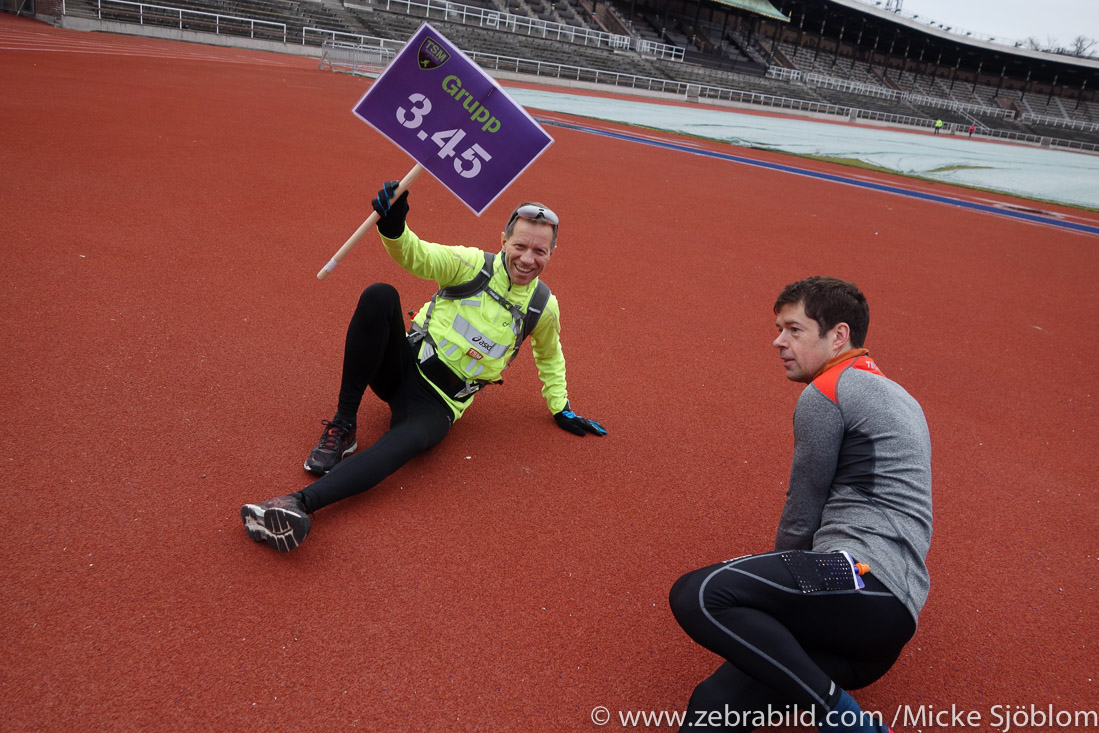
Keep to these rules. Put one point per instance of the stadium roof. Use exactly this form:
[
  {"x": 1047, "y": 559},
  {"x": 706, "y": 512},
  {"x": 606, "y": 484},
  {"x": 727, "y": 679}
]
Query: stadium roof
[
  {"x": 759, "y": 7},
  {"x": 888, "y": 34}
]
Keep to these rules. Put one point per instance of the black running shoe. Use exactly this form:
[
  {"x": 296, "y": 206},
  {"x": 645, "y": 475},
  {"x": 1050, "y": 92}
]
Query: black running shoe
[
  {"x": 337, "y": 441},
  {"x": 281, "y": 522}
]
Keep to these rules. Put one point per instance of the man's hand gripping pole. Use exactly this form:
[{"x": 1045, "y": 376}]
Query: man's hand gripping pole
[{"x": 371, "y": 220}]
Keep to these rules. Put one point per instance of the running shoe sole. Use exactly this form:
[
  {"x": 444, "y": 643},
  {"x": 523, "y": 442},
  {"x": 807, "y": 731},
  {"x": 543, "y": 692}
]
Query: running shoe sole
[
  {"x": 314, "y": 468},
  {"x": 281, "y": 529},
  {"x": 252, "y": 517}
]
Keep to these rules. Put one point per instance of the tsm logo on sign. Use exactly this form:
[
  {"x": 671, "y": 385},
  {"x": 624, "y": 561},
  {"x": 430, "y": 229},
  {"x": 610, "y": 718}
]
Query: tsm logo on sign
[{"x": 431, "y": 54}]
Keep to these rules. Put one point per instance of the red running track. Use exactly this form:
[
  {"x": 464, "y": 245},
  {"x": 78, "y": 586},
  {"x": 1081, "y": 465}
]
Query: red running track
[{"x": 169, "y": 354}]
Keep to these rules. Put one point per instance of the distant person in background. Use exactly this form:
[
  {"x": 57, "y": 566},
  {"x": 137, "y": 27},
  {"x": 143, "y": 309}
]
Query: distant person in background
[
  {"x": 938, "y": 126},
  {"x": 972, "y": 127},
  {"x": 835, "y": 602}
]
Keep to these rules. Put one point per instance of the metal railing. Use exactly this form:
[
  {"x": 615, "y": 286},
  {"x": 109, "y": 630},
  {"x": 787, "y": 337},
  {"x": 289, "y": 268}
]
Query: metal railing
[
  {"x": 525, "y": 25},
  {"x": 846, "y": 85},
  {"x": 980, "y": 109},
  {"x": 1059, "y": 122},
  {"x": 494, "y": 62},
  {"x": 311, "y": 36},
  {"x": 219, "y": 23},
  {"x": 770, "y": 100},
  {"x": 193, "y": 20},
  {"x": 355, "y": 58},
  {"x": 1055, "y": 142}
]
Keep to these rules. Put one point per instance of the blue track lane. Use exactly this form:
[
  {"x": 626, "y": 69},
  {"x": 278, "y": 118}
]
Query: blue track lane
[{"x": 885, "y": 188}]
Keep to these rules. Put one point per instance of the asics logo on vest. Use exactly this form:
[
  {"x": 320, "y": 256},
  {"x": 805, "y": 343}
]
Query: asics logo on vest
[
  {"x": 482, "y": 341},
  {"x": 479, "y": 341}
]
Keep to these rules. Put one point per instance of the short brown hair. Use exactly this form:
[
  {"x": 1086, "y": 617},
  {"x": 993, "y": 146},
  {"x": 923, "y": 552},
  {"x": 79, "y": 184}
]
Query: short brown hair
[{"x": 830, "y": 301}]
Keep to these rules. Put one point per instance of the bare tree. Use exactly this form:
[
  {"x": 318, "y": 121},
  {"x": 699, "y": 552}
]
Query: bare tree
[
  {"x": 1033, "y": 44},
  {"x": 1082, "y": 46}
]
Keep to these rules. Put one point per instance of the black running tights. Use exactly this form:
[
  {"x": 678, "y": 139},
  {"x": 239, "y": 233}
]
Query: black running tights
[
  {"x": 377, "y": 355},
  {"x": 785, "y": 647}
]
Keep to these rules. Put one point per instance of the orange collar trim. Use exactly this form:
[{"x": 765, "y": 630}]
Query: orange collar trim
[
  {"x": 840, "y": 358},
  {"x": 829, "y": 375}
]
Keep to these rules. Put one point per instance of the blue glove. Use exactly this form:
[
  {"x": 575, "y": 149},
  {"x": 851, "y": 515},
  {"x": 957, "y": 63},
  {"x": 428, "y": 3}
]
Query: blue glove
[
  {"x": 569, "y": 420},
  {"x": 391, "y": 213}
]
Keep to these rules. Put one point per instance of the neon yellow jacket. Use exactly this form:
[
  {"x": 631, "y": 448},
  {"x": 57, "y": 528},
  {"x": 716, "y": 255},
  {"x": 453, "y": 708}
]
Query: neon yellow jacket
[{"x": 449, "y": 265}]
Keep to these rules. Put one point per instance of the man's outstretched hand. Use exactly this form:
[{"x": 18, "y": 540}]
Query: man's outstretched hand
[{"x": 569, "y": 420}]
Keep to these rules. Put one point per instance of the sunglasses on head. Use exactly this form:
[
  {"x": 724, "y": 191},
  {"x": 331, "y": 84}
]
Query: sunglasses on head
[{"x": 533, "y": 212}]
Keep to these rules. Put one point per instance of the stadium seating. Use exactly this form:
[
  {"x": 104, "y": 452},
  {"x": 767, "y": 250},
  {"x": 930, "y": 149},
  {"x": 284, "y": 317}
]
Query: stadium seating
[{"x": 724, "y": 55}]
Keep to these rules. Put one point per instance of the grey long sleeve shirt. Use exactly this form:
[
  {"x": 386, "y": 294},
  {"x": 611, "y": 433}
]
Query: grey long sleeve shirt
[{"x": 861, "y": 477}]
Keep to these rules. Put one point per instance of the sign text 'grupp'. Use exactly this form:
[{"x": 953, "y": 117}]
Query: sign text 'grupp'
[{"x": 452, "y": 85}]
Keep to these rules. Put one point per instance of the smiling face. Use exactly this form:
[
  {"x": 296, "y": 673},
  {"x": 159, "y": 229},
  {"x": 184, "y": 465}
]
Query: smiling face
[
  {"x": 527, "y": 250},
  {"x": 804, "y": 350}
]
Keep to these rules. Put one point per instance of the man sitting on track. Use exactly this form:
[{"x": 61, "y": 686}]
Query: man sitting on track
[
  {"x": 460, "y": 341},
  {"x": 837, "y": 600}
]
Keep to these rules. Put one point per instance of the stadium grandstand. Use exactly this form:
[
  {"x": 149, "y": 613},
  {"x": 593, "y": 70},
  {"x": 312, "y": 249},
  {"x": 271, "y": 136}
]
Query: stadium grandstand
[{"x": 853, "y": 59}]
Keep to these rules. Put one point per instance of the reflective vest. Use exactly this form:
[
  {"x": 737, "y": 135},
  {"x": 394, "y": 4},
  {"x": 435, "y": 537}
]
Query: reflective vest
[
  {"x": 466, "y": 331},
  {"x": 475, "y": 337}
]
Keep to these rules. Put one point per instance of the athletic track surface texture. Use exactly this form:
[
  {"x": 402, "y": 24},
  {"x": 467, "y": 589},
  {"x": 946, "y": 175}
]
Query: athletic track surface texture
[{"x": 169, "y": 355}]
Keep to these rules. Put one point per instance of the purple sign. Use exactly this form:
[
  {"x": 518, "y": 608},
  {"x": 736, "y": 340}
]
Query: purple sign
[{"x": 459, "y": 124}]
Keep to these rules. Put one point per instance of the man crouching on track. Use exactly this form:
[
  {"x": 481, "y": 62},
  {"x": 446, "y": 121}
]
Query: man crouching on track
[
  {"x": 460, "y": 341},
  {"x": 834, "y": 604}
]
